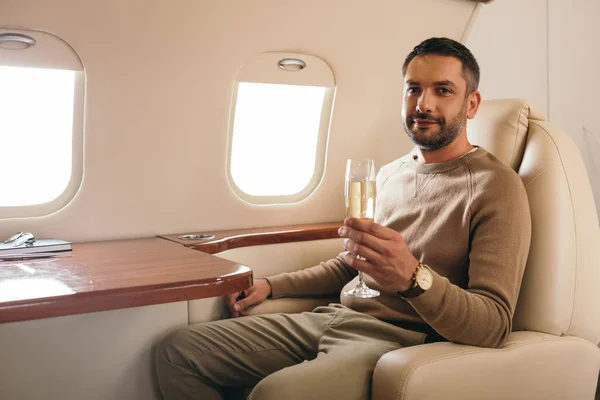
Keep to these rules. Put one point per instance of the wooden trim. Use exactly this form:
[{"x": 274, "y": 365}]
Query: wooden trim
[
  {"x": 112, "y": 275},
  {"x": 231, "y": 239}
]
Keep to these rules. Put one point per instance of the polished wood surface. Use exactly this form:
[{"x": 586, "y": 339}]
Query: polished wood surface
[
  {"x": 100, "y": 276},
  {"x": 231, "y": 239}
]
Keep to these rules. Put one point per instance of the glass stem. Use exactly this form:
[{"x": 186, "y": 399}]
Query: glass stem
[{"x": 361, "y": 282}]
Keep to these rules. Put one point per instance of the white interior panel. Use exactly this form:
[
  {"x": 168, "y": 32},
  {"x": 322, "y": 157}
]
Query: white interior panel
[
  {"x": 508, "y": 38},
  {"x": 543, "y": 50},
  {"x": 96, "y": 356},
  {"x": 274, "y": 259},
  {"x": 204, "y": 310},
  {"x": 159, "y": 80},
  {"x": 574, "y": 62}
]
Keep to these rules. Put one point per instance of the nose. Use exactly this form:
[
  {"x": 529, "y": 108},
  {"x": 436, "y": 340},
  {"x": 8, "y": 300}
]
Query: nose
[{"x": 424, "y": 105}]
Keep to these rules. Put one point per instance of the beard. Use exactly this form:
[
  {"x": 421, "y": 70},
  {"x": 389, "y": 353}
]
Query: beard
[{"x": 448, "y": 130}]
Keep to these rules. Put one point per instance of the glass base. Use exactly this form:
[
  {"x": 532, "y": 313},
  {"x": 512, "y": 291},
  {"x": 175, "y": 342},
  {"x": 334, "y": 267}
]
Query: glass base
[{"x": 362, "y": 291}]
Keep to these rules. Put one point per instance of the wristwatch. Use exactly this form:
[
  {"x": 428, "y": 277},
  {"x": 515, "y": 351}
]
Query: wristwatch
[{"x": 422, "y": 281}]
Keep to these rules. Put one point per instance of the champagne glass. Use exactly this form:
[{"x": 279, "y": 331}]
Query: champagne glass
[{"x": 360, "y": 203}]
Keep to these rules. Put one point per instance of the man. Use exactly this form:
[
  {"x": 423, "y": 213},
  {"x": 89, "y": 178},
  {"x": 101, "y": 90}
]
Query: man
[{"x": 447, "y": 250}]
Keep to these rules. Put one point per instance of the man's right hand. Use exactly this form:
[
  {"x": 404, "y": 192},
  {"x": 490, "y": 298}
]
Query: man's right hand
[{"x": 254, "y": 295}]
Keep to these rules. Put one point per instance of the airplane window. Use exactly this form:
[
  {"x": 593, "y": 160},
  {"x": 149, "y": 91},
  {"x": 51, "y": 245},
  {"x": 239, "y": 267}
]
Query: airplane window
[
  {"x": 41, "y": 123},
  {"x": 279, "y": 127},
  {"x": 36, "y": 132},
  {"x": 275, "y": 134}
]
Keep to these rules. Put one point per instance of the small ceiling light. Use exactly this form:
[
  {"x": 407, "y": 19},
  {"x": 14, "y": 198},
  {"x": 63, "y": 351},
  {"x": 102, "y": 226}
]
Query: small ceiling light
[
  {"x": 16, "y": 41},
  {"x": 292, "y": 64}
]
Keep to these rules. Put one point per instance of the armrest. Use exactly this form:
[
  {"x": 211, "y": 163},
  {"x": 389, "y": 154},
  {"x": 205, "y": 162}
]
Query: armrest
[
  {"x": 530, "y": 366},
  {"x": 218, "y": 241},
  {"x": 289, "y": 305}
]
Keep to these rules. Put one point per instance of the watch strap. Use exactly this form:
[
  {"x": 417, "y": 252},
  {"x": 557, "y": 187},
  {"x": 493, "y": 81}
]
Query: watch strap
[
  {"x": 412, "y": 292},
  {"x": 415, "y": 289}
]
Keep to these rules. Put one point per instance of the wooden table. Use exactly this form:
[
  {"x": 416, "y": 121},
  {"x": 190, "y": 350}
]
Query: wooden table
[{"x": 99, "y": 276}]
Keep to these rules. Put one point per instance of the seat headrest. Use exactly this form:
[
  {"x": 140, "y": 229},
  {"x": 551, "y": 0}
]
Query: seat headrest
[{"x": 500, "y": 127}]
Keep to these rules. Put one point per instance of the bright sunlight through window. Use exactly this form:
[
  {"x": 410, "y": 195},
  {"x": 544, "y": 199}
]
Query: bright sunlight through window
[
  {"x": 275, "y": 134},
  {"x": 36, "y": 133}
]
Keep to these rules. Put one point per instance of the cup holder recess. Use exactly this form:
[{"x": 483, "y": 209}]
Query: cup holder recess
[{"x": 196, "y": 237}]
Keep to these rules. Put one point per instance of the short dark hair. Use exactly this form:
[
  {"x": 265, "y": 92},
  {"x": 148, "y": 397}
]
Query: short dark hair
[{"x": 448, "y": 47}]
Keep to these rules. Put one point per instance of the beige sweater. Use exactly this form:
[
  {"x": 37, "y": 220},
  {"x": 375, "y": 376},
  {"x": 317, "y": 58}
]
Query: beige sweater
[{"x": 468, "y": 220}]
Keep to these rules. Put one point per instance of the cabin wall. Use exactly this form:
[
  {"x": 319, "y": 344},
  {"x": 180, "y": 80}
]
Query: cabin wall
[
  {"x": 543, "y": 50},
  {"x": 159, "y": 83},
  {"x": 95, "y": 356}
]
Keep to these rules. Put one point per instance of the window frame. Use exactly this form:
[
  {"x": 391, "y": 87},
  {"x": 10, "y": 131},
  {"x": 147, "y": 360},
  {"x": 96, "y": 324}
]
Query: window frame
[
  {"x": 264, "y": 68},
  {"x": 52, "y": 52}
]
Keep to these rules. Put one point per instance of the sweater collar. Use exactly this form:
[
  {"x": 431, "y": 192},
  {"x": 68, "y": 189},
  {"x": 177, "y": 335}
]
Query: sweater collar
[{"x": 434, "y": 168}]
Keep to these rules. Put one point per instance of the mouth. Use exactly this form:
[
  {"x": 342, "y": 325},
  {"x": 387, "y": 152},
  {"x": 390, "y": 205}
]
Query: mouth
[{"x": 423, "y": 123}]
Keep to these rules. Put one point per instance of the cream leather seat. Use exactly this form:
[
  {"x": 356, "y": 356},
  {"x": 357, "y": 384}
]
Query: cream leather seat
[{"x": 552, "y": 352}]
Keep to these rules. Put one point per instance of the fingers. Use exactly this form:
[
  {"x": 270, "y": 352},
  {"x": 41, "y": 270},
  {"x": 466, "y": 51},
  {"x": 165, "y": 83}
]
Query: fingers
[
  {"x": 366, "y": 239},
  {"x": 356, "y": 263},
  {"x": 231, "y": 299},
  {"x": 364, "y": 251},
  {"x": 369, "y": 226},
  {"x": 244, "y": 303}
]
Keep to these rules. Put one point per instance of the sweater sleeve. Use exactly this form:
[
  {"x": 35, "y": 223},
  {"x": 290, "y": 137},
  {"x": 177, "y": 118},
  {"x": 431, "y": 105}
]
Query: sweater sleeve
[
  {"x": 500, "y": 234},
  {"x": 326, "y": 278}
]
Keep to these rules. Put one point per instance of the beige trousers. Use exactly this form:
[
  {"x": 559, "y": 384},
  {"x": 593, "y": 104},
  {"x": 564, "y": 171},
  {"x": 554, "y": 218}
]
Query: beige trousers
[{"x": 329, "y": 353}]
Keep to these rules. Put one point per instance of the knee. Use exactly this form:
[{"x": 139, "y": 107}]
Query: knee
[
  {"x": 172, "y": 348},
  {"x": 267, "y": 389}
]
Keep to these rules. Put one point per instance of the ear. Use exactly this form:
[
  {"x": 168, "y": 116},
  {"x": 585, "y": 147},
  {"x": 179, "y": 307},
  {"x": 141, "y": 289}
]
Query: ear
[{"x": 474, "y": 101}]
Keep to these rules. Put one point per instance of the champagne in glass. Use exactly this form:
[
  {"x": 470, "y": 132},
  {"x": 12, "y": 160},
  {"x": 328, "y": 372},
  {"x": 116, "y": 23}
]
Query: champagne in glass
[
  {"x": 360, "y": 203},
  {"x": 360, "y": 199}
]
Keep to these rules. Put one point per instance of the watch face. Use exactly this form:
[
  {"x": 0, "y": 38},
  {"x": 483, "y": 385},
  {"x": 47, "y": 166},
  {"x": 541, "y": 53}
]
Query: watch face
[{"x": 424, "y": 278}]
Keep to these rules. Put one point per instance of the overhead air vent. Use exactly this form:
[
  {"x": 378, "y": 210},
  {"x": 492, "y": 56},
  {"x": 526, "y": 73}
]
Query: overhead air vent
[
  {"x": 16, "y": 41},
  {"x": 292, "y": 64}
]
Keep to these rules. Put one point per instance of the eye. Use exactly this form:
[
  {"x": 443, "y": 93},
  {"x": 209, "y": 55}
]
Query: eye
[
  {"x": 412, "y": 90},
  {"x": 444, "y": 91}
]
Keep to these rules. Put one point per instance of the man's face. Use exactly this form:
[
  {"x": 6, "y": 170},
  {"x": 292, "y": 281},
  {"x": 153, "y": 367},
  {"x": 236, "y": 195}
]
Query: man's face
[{"x": 435, "y": 106}]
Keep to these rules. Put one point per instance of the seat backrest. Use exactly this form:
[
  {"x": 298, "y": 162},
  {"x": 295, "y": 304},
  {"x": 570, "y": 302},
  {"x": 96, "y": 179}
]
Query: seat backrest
[{"x": 559, "y": 293}]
